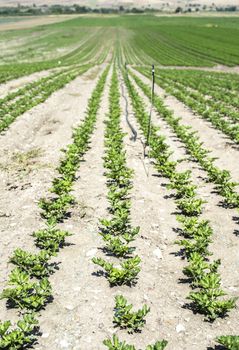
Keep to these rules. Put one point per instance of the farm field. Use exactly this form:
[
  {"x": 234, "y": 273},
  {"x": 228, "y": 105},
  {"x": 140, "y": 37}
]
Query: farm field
[{"x": 119, "y": 208}]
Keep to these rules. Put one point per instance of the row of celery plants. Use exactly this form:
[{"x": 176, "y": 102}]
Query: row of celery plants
[
  {"x": 200, "y": 105},
  {"x": 30, "y": 286},
  {"x": 117, "y": 231},
  {"x": 91, "y": 49},
  {"x": 221, "y": 178},
  {"x": 202, "y": 274},
  {"x": 219, "y": 96},
  {"x": 30, "y": 96}
]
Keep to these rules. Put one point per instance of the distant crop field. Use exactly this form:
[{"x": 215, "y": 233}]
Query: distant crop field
[
  {"x": 119, "y": 183},
  {"x": 4, "y": 20}
]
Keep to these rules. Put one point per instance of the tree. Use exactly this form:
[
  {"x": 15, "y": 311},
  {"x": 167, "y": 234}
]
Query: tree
[{"x": 178, "y": 9}]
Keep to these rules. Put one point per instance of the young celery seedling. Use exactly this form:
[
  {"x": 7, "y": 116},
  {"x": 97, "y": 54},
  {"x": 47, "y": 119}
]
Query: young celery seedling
[
  {"x": 19, "y": 337},
  {"x": 125, "y": 318},
  {"x": 126, "y": 274}
]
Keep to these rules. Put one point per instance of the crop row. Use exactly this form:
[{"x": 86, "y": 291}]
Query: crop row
[
  {"x": 116, "y": 231},
  {"x": 221, "y": 178},
  {"x": 205, "y": 97},
  {"x": 30, "y": 289},
  {"x": 31, "y": 95},
  {"x": 201, "y": 272},
  {"x": 206, "y": 108},
  {"x": 218, "y": 88},
  {"x": 91, "y": 49}
]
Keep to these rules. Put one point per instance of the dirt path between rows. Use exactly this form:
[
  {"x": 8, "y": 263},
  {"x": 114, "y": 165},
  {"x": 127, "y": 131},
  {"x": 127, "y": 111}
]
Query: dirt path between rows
[
  {"x": 30, "y": 151},
  {"x": 224, "y": 246}
]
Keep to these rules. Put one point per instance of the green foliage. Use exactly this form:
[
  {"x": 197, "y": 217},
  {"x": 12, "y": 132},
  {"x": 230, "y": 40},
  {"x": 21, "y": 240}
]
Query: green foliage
[
  {"x": 19, "y": 337},
  {"x": 26, "y": 294},
  {"x": 116, "y": 344},
  {"x": 190, "y": 206},
  {"x": 206, "y": 299},
  {"x": 125, "y": 318},
  {"x": 125, "y": 274},
  {"x": 192, "y": 227},
  {"x": 198, "y": 267},
  {"x": 159, "y": 345},
  {"x": 55, "y": 209},
  {"x": 198, "y": 245},
  {"x": 51, "y": 239},
  {"x": 118, "y": 245},
  {"x": 36, "y": 265},
  {"x": 231, "y": 342}
]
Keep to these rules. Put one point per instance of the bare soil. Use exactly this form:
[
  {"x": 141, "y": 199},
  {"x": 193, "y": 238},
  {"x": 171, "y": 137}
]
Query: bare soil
[{"x": 35, "y": 21}]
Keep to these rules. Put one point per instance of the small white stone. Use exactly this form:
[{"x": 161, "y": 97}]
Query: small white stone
[
  {"x": 233, "y": 289},
  {"x": 45, "y": 335},
  {"x": 88, "y": 340},
  {"x": 64, "y": 344},
  {"x": 180, "y": 328},
  {"x": 70, "y": 307},
  {"x": 91, "y": 253},
  {"x": 157, "y": 253},
  {"x": 111, "y": 330}
]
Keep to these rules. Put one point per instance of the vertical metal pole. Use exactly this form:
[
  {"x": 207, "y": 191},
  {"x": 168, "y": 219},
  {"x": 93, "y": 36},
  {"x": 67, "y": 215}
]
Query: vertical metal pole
[{"x": 151, "y": 108}]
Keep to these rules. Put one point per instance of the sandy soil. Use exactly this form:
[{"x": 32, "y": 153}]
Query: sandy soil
[{"x": 31, "y": 22}]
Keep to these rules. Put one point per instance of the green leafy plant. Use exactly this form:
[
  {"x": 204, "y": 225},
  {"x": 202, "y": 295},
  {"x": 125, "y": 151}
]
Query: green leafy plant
[
  {"x": 19, "y": 337},
  {"x": 117, "y": 245},
  {"x": 55, "y": 209},
  {"x": 206, "y": 299},
  {"x": 159, "y": 345},
  {"x": 27, "y": 294},
  {"x": 190, "y": 206},
  {"x": 125, "y": 318},
  {"x": 115, "y": 344},
  {"x": 193, "y": 227},
  {"x": 198, "y": 267},
  {"x": 36, "y": 265},
  {"x": 125, "y": 274},
  {"x": 51, "y": 239},
  {"x": 231, "y": 342},
  {"x": 198, "y": 245}
]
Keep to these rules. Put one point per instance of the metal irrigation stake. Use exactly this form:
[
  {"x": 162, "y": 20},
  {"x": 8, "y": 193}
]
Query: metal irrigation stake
[{"x": 151, "y": 108}]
